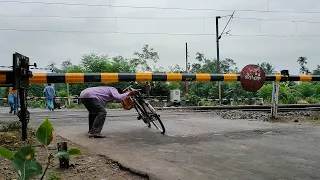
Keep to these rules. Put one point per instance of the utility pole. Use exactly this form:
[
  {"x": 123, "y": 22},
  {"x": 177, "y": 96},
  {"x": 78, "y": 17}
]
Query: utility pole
[
  {"x": 187, "y": 69},
  {"x": 218, "y": 56},
  {"x": 218, "y": 37},
  {"x": 68, "y": 91}
]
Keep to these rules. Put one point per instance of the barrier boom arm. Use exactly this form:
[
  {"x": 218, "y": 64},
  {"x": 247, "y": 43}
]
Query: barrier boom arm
[{"x": 6, "y": 77}]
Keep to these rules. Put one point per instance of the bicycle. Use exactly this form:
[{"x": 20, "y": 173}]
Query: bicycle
[{"x": 145, "y": 110}]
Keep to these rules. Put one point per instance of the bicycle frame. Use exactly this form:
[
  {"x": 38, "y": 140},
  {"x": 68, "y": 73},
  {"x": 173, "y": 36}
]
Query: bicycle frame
[{"x": 138, "y": 102}]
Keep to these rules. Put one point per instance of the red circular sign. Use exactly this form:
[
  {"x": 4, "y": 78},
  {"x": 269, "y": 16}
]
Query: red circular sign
[{"x": 252, "y": 77}]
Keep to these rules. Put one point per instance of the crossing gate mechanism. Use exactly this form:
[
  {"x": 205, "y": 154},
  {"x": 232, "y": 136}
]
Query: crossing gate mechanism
[{"x": 20, "y": 82}]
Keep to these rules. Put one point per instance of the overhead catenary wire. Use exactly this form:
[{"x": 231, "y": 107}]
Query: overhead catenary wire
[
  {"x": 104, "y": 32},
  {"x": 149, "y": 18},
  {"x": 156, "y": 7},
  {"x": 163, "y": 33},
  {"x": 279, "y": 20}
]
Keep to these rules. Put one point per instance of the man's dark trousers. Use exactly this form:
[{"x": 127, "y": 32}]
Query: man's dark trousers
[{"x": 97, "y": 114}]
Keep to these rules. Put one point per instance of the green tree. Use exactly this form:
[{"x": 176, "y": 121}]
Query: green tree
[
  {"x": 316, "y": 71},
  {"x": 267, "y": 67},
  {"x": 36, "y": 90},
  {"x": 144, "y": 58},
  {"x": 94, "y": 63},
  {"x": 303, "y": 69},
  {"x": 65, "y": 65}
]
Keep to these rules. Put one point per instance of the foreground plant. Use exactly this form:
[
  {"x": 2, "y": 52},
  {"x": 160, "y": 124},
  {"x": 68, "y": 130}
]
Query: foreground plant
[{"x": 24, "y": 159}]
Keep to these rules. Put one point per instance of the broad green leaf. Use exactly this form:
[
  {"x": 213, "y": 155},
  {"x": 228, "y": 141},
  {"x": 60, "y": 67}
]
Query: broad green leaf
[
  {"x": 74, "y": 151},
  {"x": 6, "y": 153},
  {"x": 62, "y": 154},
  {"x": 24, "y": 161},
  {"x": 44, "y": 132}
]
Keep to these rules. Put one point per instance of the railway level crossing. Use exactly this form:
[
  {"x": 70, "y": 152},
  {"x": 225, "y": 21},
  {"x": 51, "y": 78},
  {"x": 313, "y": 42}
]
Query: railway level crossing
[{"x": 252, "y": 78}]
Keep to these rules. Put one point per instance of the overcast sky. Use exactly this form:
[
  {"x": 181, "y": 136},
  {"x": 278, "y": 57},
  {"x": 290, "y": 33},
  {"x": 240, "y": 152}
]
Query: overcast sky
[{"x": 44, "y": 47}]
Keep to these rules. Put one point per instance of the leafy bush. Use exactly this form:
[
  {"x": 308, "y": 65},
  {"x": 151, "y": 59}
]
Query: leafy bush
[
  {"x": 265, "y": 92},
  {"x": 306, "y": 89},
  {"x": 24, "y": 159},
  {"x": 62, "y": 93},
  {"x": 313, "y": 100},
  {"x": 37, "y": 104},
  {"x": 114, "y": 106}
]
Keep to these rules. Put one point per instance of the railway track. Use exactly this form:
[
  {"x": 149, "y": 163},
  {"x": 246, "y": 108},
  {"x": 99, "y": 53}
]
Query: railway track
[{"x": 264, "y": 108}]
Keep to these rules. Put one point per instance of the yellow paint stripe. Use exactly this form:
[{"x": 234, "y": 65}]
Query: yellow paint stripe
[
  {"x": 305, "y": 77},
  {"x": 109, "y": 77},
  {"x": 230, "y": 77},
  {"x": 38, "y": 78},
  {"x": 74, "y": 77},
  {"x": 203, "y": 77},
  {"x": 141, "y": 77},
  {"x": 278, "y": 77},
  {"x": 174, "y": 77},
  {"x": 3, "y": 78}
]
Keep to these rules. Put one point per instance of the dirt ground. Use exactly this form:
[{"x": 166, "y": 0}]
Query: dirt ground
[{"x": 87, "y": 166}]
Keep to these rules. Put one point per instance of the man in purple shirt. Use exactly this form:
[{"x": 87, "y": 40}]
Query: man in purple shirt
[{"x": 95, "y": 99}]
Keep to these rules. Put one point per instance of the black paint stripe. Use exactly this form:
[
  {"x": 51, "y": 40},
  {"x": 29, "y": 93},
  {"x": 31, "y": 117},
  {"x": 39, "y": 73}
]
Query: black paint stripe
[
  {"x": 92, "y": 77},
  {"x": 56, "y": 78},
  {"x": 216, "y": 77},
  {"x": 238, "y": 78},
  {"x": 127, "y": 77},
  {"x": 315, "y": 78},
  {"x": 188, "y": 77},
  {"x": 292, "y": 78},
  {"x": 159, "y": 77},
  {"x": 270, "y": 78},
  {"x": 9, "y": 77}
]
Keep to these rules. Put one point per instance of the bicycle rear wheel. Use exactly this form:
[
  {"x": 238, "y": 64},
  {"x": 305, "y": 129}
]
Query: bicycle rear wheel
[{"x": 154, "y": 117}]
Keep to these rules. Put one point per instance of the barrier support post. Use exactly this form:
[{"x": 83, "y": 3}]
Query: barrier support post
[{"x": 274, "y": 101}]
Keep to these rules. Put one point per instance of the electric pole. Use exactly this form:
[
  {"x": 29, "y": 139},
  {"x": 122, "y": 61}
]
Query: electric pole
[
  {"x": 187, "y": 69},
  {"x": 218, "y": 56},
  {"x": 218, "y": 37}
]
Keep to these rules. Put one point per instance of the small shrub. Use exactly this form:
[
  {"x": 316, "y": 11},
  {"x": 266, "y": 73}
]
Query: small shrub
[
  {"x": 313, "y": 100},
  {"x": 13, "y": 126},
  {"x": 36, "y": 104},
  {"x": 114, "y": 105},
  {"x": 302, "y": 101},
  {"x": 208, "y": 103},
  {"x": 24, "y": 159},
  {"x": 53, "y": 176},
  {"x": 71, "y": 106}
]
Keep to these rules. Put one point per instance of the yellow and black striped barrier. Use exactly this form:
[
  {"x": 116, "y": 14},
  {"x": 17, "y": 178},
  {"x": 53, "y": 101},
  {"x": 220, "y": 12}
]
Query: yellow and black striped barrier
[{"x": 6, "y": 77}]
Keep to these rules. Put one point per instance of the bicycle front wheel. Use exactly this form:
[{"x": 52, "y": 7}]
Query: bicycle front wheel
[
  {"x": 155, "y": 118},
  {"x": 156, "y": 121}
]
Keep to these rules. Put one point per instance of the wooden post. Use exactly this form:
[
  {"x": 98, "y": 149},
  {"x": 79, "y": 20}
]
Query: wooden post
[{"x": 62, "y": 146}]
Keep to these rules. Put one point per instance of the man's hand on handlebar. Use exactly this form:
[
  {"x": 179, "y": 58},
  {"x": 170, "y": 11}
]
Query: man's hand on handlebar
[{"x": 132, "y": 93}]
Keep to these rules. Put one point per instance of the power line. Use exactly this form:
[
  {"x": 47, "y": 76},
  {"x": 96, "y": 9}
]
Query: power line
[
  {"x": 95, "y": 17},
  {"x": 154, "y": 7},
  {"x": 161, "y": 33},
  {"x": 279, "y": 20},
  {"x": 104, "y": 32},
  {"x": 148, "y": 18},
  {"x": 274, "y": 35}
]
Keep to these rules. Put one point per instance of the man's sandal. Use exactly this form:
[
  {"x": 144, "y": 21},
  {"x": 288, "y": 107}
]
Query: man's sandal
[{"x": 96, "y": 136}]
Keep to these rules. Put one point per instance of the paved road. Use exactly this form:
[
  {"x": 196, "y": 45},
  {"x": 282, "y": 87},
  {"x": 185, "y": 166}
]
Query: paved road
[{"x": 197, "y": 145}]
